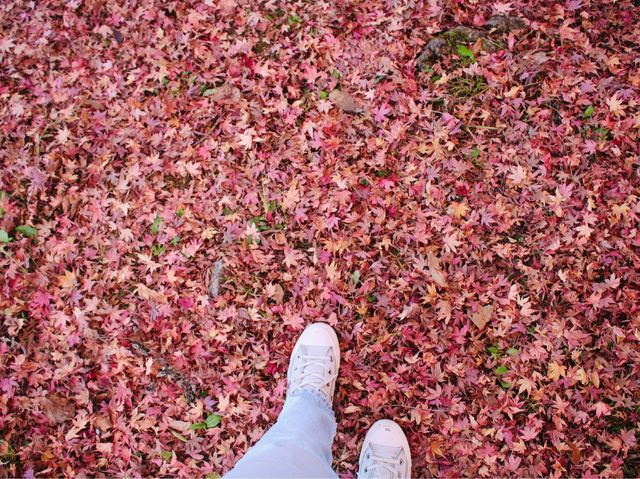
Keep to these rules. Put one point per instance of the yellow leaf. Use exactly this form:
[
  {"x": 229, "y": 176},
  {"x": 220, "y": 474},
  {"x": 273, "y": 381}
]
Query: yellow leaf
[
  {"x": 208, "y": 233},
  {"x": 458, "y": 210},
  {"x": 581, "y": 376},
  {"x": 556, "y": 371},
  {"x": 67, "y": 280},
  {"x": 436, "y": 447},
  {"x": 616, "y": 106}
]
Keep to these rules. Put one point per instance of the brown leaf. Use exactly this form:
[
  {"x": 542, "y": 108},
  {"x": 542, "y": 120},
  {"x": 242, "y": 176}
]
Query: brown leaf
[
  {"x": 58, "y": 408},
  {"x": 435, "y": 270},
  {"x": 344, "y": 101},
  {"x": 279, "y": 294},
  {"x": 482, "y": 316},
  {"x": 226, "y": 95},
  {"x": 102, "y": 422},
  {"x": 576, "y": 455}
]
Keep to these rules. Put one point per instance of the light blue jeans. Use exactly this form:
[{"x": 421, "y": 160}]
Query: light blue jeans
[{"x": 297, "y": 445}]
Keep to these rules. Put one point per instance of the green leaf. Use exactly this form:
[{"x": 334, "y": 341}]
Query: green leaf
[
  {"x": 294, "y": 20},
  {"x": 602, "y": 132},
  {"x": 588, "y": 113},
  {"x": 198, "y": 425},
  {"x": 166, "y": 455},
  {"x": 1, "y": 212},
  {"x": 512, "y": 351},
  {"x": 27, "y": 230},
  {"x": 505, "y": 384},
  {"x": 502, "y": 369},
  {"x": 323, "y": 95},
  {"x": 180, "y": 212},
  {"x": 213, "y": 420},
  {"x": 355, "y": 277},
  {"x": 157, "y": 249},
  {"x": 465, "y": 52},
  {"x": 475, "y": 153},
  {"x": 155, "y": 226},
  {"x": 209, "y": 92},
  {"x": 494, "y": 350},
  {"x": 212, "y": 475},
  {"x": 336, "y": 74},
  {"x": 210, "y": 422},
  {"x": 4, "y": 237},
  {"x": 175, "y": 240}
]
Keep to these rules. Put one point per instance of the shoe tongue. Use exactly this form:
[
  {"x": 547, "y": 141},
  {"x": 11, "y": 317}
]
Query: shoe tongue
[
  {"x": 319, "y": 351},
  {"x": 317, "y": 366},
  {"x": 388, "y": 452}
]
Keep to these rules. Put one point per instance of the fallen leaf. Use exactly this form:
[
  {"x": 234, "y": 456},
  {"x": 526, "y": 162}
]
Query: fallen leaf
[
  {"x": 481, "y": 317},
  {"x": 344, "y": 101}
]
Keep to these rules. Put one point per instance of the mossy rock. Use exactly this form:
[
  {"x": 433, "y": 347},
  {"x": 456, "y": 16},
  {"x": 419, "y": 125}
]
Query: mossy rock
[{"x": 448, "y": 41}]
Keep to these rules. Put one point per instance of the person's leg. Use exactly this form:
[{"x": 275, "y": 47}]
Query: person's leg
[{"x": 299, "y": 444}]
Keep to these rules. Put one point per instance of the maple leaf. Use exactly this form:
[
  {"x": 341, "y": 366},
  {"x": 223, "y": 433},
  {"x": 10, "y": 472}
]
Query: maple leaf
[
  {"x": 67, "y": 280},
  {"x": 629, "y": 437},
  {"x": 245, "y": 139},
  {"x": 615, "y": 106},
  {"x": 380, "y": 113},
  {"x": 529, "y": 433},
  {"x": 500, "y": 8},
  {"x": 555, "y": 371},
  {"x": 435, "y": 270},
  {"x": 293, "y": 319},
  {"x": 601, "y": 409},
  {"x": 268, "y": 116},
  {"x": 451, "y": 242},
  {"x": 481, "y": 317},
  {"x": 518, "y": 175},
  {"x": 63, "y": 135},
  {"x": 458, "y": 210},
  {"x": 6, "y": 44}
]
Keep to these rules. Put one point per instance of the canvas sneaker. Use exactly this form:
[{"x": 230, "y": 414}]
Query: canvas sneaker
[
  {"x": 385, "y": 452},
  {"x": 315, "y": 360}
]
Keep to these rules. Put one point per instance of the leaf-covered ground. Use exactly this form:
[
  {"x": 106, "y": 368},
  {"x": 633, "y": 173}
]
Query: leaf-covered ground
[{"x": 186, "y": 185}]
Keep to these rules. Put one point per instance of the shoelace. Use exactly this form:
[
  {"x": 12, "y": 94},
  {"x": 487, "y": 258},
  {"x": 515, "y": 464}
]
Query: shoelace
[
  {"x": 378, "y": 466},
  {"x": 315, "y": 379}
]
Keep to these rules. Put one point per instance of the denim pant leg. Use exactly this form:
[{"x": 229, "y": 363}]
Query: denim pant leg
[{"x": 297, "y": 445}]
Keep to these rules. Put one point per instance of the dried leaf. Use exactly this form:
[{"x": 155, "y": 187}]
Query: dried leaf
[
  {"x": 481, "y": 317},
  {"x": 344, "y": 101}
]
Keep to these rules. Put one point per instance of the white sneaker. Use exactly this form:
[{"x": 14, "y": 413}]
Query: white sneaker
[
  {"x": 315, "y": 360},
  {"x": 385, "y": 453}
]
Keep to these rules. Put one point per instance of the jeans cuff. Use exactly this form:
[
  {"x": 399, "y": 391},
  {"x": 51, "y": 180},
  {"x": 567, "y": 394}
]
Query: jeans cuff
[{"x": 315, "y": 396}]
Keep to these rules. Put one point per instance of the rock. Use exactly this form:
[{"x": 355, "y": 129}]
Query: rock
[
  {"x": 505, "y": 23},
  {"x": 459, "y": 35},
  {"x": 447, "y": 42}
]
